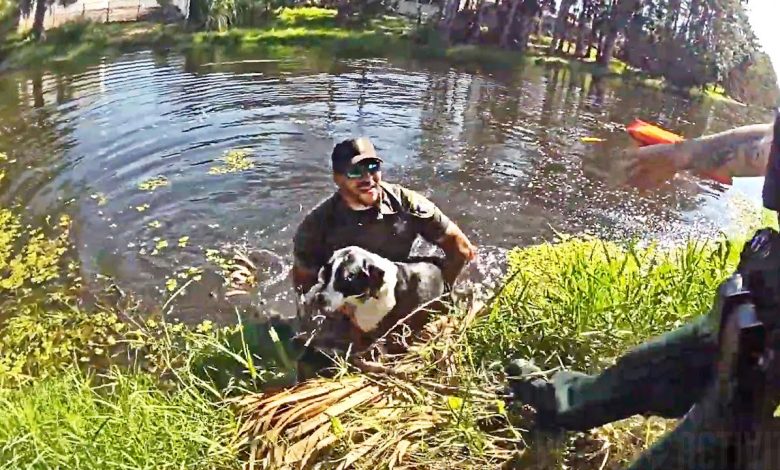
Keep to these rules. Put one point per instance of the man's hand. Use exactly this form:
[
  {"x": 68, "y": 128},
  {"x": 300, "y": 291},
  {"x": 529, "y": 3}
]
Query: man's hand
[
  {"x": 303, "y": 279},
  {"x": 458, "y": 251},
  {"x": 650, "y": 166}
]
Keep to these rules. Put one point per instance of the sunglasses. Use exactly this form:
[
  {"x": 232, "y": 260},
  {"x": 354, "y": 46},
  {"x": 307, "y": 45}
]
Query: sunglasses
[{"x": 357, "y": 171}]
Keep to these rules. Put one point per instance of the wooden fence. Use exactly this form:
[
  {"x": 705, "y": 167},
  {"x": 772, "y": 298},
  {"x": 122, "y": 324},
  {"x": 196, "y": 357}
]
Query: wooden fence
[{"x": 102, "y": 10}]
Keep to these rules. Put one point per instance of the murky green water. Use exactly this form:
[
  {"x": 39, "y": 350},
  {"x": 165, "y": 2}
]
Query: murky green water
[{"x": 500, "y": 153}]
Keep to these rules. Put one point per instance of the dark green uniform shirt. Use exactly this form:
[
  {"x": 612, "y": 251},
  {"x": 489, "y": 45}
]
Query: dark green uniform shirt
[{"x": 389, "y": 230}]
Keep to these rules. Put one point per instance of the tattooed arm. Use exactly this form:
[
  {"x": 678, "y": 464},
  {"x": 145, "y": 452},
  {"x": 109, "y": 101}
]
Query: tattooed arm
[{"x": 742, "y": 151}]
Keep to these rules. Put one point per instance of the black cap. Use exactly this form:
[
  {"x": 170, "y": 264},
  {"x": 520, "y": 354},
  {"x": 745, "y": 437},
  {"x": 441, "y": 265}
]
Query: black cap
[{"x": 351, "y": 151}]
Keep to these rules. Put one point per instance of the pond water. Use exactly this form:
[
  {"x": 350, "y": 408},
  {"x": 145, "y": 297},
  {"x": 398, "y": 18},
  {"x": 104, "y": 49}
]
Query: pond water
[{"x": 500, "y": 152}]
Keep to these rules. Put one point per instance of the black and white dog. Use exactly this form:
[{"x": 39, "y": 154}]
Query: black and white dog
[{"x": 380, "y": 292}]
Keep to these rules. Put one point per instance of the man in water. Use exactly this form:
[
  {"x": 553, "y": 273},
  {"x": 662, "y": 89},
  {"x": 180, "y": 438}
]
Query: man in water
[
  {"x": 380, "y": 217},
  {"x": 666, "y": 375},
  {"x": 370, "y": 213}
]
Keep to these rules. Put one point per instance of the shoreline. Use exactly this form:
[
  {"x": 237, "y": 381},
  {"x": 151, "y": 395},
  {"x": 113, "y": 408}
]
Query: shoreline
[{"x": 390, "y": 36}]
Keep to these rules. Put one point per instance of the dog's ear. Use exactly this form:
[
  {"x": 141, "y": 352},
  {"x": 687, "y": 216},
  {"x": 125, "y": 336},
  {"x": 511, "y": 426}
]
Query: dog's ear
[{"x": 376, "y": 277}]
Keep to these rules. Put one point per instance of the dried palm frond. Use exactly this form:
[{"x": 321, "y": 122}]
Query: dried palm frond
[
  {"x": 393, "y": 412},
  {"x": 241, "y": 274}
]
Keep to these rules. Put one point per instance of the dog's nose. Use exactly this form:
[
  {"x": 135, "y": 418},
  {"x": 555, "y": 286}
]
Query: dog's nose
[{"x": 319, "y": 299}]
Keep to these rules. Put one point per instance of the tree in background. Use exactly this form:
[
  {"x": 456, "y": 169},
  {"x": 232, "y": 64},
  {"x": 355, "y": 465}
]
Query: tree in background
[
  {"x": 691, "y": 43},
  {"x": 39, "y": 9}
]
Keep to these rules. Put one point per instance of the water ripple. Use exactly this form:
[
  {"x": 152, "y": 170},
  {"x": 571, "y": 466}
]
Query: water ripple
[{"x": 501, "y": 154}]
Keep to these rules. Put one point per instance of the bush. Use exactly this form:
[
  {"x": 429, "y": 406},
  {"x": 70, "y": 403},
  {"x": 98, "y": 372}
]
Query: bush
[{"x": 582, "y": 302}]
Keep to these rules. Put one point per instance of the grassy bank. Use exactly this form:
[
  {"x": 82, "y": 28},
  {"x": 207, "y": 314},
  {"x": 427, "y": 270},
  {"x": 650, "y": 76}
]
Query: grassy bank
[
  {"x": 83, "y": 42},
  {"x": 119, "y": 420},
  {"x": 312, "y": 31},
  {"x": 292, "y": 31},
  {"x": 111, "y": 387}
]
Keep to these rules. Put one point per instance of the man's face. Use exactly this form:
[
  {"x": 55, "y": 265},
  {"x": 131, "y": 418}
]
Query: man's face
[{"x": 360, "y": 183}]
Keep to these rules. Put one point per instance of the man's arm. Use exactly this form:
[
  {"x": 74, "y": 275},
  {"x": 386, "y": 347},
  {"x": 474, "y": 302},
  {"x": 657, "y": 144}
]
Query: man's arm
[
  {"x": 438, "y": 229},
  {"x": 303, "y": 278},
  {"x": 307, "y": 252},
  {"x": 742, "y": 151},
  {"x": 458, "y": 251}
]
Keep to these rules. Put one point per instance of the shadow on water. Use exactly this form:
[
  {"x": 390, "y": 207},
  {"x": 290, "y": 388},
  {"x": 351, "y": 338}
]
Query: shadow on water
[{"x": 499, "y": 151}]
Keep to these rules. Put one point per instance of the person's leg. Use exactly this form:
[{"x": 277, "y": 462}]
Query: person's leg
[
  {"x": 699, "y": 442},
  {"x": 663, "y": 376}
]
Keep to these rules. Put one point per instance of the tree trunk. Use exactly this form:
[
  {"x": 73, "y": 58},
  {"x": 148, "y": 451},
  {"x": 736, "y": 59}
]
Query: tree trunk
[
  {"x": 476, "y": 32},
  {"x": 17, "y": 16},
  {"x": 510, "y": 21},
  {"x": 560, "y": 25},
  {"x": 448, "y": 22},
  {"x": 40, "y": 15},
  {"x": 616, "y": 24},
  {"x": 608, "y": 49},
  {"x": 693, "y": 17},
  {"x": 440, "y": 11},
  {"x": 529, "y": 10},
  {"x": 524, "y": 31},
  {"x": 581, "y": 22},
  {"x": 599, "y": 45}
]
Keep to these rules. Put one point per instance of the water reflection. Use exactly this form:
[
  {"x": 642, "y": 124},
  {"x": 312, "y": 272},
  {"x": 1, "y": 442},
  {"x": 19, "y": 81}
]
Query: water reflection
[{"x": 499, "y": 151}]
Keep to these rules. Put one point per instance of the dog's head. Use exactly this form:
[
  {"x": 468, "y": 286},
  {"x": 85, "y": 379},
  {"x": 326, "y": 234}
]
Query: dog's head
[{"x": 352, "y": 275}]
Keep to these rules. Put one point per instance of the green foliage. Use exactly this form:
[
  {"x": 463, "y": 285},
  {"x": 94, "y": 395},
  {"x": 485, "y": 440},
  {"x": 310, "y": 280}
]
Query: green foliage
[
  {"x": 221, "y": 15},
  {"x": 85, "y": 41},
  {"x": 39, "y": 340},
  {"x": 44, "y": 339},
  {"x": 306, "y": 16},
  {"x": 113, "y": 387},
  {"x": 754, "y": 81},
  {"x": 582, "y": 302},
  {"x": 118, "y": 420},
  {"x": 688, "y": 43},
  {"x": 27, "y": 256}
]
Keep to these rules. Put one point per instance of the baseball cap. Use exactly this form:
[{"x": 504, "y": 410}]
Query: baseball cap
[{"x": 352, "y": 151}]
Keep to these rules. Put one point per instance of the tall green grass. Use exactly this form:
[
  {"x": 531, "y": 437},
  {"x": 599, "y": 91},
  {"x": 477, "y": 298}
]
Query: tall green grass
[
  {"x": 582, "y": 302},
  {"x": 119, "y": 420},
  {"x": 111, "y": 387}
]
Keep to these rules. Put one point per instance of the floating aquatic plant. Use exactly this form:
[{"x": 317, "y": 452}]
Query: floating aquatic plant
[
  {"x": 153, "y": 183},
  {"x": 235, "y": 161},
  {"x": 100, "y": 198},
  {"x": 160, "y": 245},
  {"x": 37, "y": 262}
]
